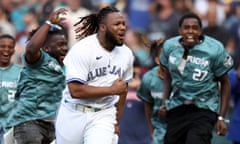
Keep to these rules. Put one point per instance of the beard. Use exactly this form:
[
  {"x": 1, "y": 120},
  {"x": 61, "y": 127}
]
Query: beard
[{"x": 110, "y": 36}]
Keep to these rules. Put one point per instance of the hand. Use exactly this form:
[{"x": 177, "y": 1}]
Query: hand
[
  {"x": 221, "y": 128},
  {"x": 117, "y": 129},
  {"x": 119, "y": 86},
  {"x": 57, "y": 16},
  {"x": 163, "y": 111}
]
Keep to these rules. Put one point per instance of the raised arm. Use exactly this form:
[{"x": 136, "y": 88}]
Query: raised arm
[{"x": 37, "y": 40}]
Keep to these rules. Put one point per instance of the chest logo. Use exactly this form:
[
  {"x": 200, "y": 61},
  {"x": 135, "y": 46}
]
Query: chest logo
[{"x": 98, "y": 57}]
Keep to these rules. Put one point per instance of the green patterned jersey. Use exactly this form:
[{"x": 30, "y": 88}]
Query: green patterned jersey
[
  {"x": 194, "y": 79},
  {"x": 39, "y": 90},
  {"x": 8, "y": 85},
  {"x": 150, "y": 91}
]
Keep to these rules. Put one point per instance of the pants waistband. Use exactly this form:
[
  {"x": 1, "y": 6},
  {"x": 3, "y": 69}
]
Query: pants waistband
[{"x": 82, "y": 108}]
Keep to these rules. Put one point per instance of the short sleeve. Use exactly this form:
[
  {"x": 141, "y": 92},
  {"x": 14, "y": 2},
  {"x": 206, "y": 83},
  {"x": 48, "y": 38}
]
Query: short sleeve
[
  {"x": 222, "y": 63},
  {"x": 144, "y": 92},
  {"x": 76, "y": 63}
]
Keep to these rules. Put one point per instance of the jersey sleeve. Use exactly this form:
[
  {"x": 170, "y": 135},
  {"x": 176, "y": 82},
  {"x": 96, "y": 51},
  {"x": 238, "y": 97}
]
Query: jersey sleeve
[
  {"x": 76, "y": 63},
  {"x": 223, "y": 62},
  {"x": 128, "y": 75},
  {"x": 144, "y": 91}
]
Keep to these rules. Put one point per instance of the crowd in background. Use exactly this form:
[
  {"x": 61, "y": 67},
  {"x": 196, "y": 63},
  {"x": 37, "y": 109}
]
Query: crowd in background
[{"x": 147, "y": 20}]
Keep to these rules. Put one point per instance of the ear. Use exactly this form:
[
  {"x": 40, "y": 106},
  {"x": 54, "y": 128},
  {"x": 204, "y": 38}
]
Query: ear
[{"x": 102, "y": 27}]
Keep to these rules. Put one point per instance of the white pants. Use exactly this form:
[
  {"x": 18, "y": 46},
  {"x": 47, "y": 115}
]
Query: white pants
[{"x": 76, "y": 127}]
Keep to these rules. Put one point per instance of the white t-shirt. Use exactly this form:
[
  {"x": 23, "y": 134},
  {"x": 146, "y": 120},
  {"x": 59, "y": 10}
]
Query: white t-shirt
[{"x": 89, "y": 63}]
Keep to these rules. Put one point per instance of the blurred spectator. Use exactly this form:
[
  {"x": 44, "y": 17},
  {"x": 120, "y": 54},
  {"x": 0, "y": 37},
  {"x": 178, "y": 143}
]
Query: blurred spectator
[
  {"x": 138, "y": 42},
  {"x": 216, "y": 30},
  {"x": 235, "y": 31},
  {"x": 6, "y": 27},
  {"x": 20, "y": 7},
  {"x": 75, "y": 11},
  {"x": 164, "y": 19},
  {"x": 201, "y": 7},
  {"x": 138, "y": 14},
  {"x": 234, "y": 77}
]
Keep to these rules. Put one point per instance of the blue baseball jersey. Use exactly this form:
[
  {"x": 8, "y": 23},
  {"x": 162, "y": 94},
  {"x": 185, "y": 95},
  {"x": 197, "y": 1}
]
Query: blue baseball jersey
[
  {"x": 39, "y": 90},
  {"x": 150, "y": 91},
  {"x": 8, "y": 85},
  {"x": 194, "y": 79}
]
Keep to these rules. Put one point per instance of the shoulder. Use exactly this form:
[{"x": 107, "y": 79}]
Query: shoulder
[
  {"x": 150, "y": 75},
  {"x": 171, "y": 43},
  {"x": 84, "y": 45},
  {"x": 213, "y": 43},
  {"x": 125, "y": 50}
]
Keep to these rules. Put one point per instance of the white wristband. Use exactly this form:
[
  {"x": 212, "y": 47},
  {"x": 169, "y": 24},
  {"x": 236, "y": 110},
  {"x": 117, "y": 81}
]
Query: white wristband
[
  {"x": 221, "y": 118},
  {"x": 48, "y": 22},
  {"x": 53, "y": 25}
]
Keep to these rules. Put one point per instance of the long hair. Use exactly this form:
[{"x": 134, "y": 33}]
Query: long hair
[
  {"x": 90, "y": 24},
  {"x": 155, "y": 48}
]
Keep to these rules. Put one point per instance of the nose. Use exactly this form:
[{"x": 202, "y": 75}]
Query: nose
[{"x": 65, "y": 48}]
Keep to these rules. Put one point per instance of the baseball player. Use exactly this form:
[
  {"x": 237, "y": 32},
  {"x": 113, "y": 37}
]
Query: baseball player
[
  {"x": 41, "y": 83},
  {"x": 196, "y": 65},
  {"x": 9, "y": 74},
  {"x": 98, "y": 68},
  {"x": 150, "y": 92}
]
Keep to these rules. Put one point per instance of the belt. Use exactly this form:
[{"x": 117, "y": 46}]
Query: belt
[{"x": 82, "y": 108}]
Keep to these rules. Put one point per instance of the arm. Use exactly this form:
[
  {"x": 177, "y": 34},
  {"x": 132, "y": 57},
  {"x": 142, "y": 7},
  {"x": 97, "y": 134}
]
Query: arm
[
  {"x": 38, "y": 39},
  {"x": 120, "y": 106},
  {"x": 148, "y": 112},
  {"x": 83, "y": 91},
  {"x": 225, "y": 96},
  {"x": 166, "y": 90}
]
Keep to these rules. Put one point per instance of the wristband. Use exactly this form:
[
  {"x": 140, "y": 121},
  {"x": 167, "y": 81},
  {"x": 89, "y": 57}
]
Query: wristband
[
  {"x": 53, "y": 25},
  {"x": 221, "y": 118},
  {"x": 48, "y": 22}
]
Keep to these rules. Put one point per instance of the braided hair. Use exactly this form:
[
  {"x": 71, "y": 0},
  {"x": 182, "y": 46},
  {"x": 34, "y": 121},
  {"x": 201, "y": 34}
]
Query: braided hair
[
  {"x": 155, "y": 48},
  {"x": 90, "y": 24}
]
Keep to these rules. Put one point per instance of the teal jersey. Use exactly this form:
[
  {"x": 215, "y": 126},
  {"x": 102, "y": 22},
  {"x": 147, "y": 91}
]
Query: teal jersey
[
  {"x": 150, "y": 91},
  {"x": 8, "y": 85},
  {"x": 39, "y": 90},
  {"x": 195, "y": 78}
]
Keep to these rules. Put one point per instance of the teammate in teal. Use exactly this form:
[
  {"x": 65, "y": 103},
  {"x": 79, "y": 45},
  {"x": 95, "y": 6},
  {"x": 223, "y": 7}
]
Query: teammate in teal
[
  {"x": 150, "y": 91},
  {"x": 196, "y": 65},
  {"x": 40, "y": 84},
  {"x": 9, "y": 74}
]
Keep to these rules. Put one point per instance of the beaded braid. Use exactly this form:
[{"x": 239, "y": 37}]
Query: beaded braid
[
  {"x": 90, "y": 24},
  {"x": 156, "y": 45}
]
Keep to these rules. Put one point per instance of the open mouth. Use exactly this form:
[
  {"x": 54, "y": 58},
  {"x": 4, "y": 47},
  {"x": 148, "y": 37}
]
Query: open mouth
[{"x": 121, "y": 36}]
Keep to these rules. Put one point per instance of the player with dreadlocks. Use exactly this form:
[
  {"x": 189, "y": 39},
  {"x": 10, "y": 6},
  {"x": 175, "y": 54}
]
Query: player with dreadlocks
[{"x": 98, "y": 68}]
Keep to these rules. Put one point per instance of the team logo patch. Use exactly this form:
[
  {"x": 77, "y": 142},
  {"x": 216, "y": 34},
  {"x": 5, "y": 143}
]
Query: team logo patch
[{"x": 228, "y": 62}]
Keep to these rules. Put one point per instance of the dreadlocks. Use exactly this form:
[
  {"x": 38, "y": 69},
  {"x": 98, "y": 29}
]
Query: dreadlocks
[{"x": 90, "y": 24}]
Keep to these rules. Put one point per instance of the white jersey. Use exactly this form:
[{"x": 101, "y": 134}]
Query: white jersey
[{"x": 89, "y": 63}]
